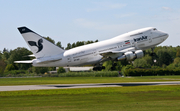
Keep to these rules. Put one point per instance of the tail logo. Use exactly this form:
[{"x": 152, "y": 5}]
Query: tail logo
[{"x": 39, "y": 46}]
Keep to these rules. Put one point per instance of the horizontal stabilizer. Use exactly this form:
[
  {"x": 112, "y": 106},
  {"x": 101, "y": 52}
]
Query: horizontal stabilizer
[
  {"x": 29, "y": 55},
  {"x": 27, "y": 61}
]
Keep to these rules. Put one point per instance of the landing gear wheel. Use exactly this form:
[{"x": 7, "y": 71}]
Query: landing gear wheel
[
  {"x": 153, "y": 54},
  {"x": 115, "y": 64},
  {"x": 103, "y": 67}
]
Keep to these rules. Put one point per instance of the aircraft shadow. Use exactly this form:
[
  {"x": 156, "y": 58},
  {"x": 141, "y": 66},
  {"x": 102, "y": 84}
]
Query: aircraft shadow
[{"x": 109, "y": 84}]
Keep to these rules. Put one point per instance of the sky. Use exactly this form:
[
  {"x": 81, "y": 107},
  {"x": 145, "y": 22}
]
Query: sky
[{"x": 69, "y": 21}]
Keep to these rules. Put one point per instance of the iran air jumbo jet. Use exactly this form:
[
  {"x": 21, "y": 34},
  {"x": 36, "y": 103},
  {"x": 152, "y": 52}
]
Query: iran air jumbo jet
[{"x": 128, "y": 46}]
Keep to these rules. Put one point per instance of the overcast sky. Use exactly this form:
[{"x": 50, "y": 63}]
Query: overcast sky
[{"x": 70, "y": 21}]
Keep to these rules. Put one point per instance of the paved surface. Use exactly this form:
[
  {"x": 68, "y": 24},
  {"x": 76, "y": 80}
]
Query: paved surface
[{"x": 66, "y": 86}]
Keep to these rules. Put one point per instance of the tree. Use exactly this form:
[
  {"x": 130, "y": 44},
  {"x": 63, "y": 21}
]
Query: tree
[
  {"x": 0, "y": 55},
  {"x": 9, "y": 67},
  {"x": 141, "y": 63},
  {"x": 89, "y": 42},
  {"x": 175, "y": 64},
  {"x": 59, "y": 45},
  {"x": 123, "y": 71},
  {"x": 61, "y": 70},
  {"x": 69, "y": 46},
  {"x": 107, "y": 65},
  {"x": 40, "y": 70},
  {"x": 5, "y": 50},
  {"x": 164, "y": 57},
  {"x": 176, "y": 60},
  {"x": 78, "y": 43},
  {"x": 148, "y": 59},
  {"x": 18, "y": 54},
  {"x": 5, "y": 56},
  {"x": 178, "y": 53},
  {"x": 73, "y": 45},
  {"x": 50, "y": 40},
  {"x": 96, "y": 40},
  {"x": 51, "y": 68},
  {"x": 2, "y": 67}
]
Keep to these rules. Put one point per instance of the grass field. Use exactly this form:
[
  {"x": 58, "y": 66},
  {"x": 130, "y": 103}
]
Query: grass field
[
  {"x": 79, "y": 80},
  {"x": 137, "y": 98},
  {"x": 130, "y": 98}
]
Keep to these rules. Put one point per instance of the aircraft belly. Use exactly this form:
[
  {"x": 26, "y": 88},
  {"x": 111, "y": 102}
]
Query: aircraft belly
[{"x": 87, "y": 60}]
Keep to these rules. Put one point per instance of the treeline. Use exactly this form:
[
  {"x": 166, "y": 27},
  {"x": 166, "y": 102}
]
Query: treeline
[
  {"x": 69, "y": 45},
  {"x": 150, "y": 72},
  {"x": 7, "y": 58}
]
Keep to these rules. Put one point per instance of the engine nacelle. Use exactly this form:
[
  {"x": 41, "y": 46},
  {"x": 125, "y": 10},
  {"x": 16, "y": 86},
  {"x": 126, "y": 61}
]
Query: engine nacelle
[
  {"x": 129, "y": 56},
  {"x": 139, "y": 54}
]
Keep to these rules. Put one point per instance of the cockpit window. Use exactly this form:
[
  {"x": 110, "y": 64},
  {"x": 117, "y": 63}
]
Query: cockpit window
[{"x": 154, "y": 29}]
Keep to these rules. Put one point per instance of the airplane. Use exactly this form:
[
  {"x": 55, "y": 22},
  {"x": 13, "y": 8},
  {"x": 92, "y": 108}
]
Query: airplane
[{"x": 128, "y": 46}]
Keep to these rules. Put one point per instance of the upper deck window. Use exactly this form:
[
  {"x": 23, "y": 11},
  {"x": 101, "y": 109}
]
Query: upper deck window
[{"x": 154, "y": 29}]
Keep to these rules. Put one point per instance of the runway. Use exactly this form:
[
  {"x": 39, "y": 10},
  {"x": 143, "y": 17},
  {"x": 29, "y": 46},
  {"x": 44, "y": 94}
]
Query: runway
[{"x": 67, "y": 86}]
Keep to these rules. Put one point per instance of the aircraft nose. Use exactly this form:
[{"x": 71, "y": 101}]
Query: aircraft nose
[{"x": 166, "y": 35}]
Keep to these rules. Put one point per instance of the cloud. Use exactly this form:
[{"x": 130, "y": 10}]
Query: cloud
[
  {"x": 100, "y": 6},
  {"x": 166, "y": 8}
]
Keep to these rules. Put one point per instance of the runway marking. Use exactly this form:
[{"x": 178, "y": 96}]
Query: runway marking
[{"x": 67, "y": 86}]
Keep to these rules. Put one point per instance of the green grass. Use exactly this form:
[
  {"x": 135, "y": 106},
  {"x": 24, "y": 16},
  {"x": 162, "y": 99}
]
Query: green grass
[
  {"x": 80, "y": 80},
  {"x": 137, "y": 98}
]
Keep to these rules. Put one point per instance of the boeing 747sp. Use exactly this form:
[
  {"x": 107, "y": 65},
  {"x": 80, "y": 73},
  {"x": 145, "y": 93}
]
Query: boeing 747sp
[{"x": 128, "y": 46}]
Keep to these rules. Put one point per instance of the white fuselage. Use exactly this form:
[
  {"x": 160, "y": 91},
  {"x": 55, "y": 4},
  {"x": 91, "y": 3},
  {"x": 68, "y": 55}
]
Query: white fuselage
[{"x": 91, "y": 54}]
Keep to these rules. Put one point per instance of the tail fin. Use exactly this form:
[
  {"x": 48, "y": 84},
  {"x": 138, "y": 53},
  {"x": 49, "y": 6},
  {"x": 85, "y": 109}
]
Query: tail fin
[{"x": 39, "y": 46}]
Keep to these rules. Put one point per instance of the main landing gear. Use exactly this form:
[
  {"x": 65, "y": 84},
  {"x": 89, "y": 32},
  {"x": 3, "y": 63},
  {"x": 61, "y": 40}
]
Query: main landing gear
[{"x": 153, "y": 54}]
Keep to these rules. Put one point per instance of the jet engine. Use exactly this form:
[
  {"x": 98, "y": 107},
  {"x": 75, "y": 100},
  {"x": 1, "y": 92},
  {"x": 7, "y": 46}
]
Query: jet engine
[{"x": 131, "y": 55}]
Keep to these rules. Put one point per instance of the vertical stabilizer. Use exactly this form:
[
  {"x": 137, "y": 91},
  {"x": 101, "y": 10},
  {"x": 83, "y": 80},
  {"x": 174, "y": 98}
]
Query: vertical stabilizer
[{"x": 39, "y": 46}]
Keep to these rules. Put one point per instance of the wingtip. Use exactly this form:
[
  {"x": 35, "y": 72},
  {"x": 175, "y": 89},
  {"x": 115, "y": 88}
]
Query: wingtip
[{"x": 24, "y": 30}]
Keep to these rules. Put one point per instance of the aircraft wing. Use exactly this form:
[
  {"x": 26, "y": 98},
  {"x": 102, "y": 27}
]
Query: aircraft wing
[
  {"x": 27, "y": 61},
  {"x": 113, "y": 53}
]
